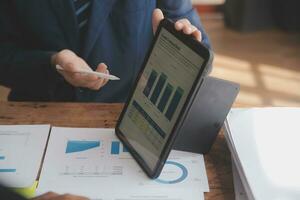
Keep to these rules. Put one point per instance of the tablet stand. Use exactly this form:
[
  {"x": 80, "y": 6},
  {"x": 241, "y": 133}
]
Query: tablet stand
[{"x": 206, "y": 115}]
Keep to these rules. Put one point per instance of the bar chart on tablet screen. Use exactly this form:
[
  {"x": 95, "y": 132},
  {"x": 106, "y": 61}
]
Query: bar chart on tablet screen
[{"x": 162, "y": 94}]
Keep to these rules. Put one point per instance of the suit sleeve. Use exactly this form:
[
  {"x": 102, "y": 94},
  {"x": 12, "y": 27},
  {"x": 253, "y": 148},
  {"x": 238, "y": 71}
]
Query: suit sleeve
[
  {"x": 7, "y": 194},
  {"x": 178, "y": 9},
  {"x": 22, "y": 67}
]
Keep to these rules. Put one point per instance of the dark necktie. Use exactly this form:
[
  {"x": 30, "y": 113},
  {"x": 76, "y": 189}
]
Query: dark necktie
[{"x": 82, "y": 10}]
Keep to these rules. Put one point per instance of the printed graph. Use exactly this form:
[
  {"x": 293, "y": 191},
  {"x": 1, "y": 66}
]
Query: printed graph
[
  {"x": 79, "y": 146},
  {"x": 116, "y": 148},
  {"x": 175, "y": 171},
  {"x": 8, "y": 170}
]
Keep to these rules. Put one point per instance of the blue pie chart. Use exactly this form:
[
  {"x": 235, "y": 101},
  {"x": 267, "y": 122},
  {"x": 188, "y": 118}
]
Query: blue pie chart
[{"x": 184, "y": 174}]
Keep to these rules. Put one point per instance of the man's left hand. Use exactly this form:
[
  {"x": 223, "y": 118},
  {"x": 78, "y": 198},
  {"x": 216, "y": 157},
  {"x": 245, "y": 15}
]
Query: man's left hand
[{"x": 180, "y": 25}]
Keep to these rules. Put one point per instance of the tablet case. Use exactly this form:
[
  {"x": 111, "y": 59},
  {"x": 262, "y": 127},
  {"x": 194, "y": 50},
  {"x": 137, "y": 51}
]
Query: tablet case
[{"x": 206, "y": 115}]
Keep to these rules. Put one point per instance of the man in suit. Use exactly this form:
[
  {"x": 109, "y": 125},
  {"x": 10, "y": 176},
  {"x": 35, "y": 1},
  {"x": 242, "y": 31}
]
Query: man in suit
[{"x": 36, "y": 35}]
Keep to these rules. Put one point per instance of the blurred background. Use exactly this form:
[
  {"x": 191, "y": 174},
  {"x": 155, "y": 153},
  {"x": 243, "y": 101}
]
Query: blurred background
[{"x": 256, "y": 44}]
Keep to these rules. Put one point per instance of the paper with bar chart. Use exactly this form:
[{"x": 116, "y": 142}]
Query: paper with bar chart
[
  {"x": 21, "y": 152},
  {"x": 94, "y": 163}
]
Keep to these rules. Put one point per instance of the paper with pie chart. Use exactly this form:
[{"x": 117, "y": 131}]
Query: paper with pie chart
[{"x": 94, "y": 163}]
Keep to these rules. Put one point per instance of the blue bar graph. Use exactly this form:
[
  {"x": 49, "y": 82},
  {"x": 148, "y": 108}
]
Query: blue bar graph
[
  {"x": 115, "y": 148},
  {"x": 7, "y": 170},
  {"x": 2, "y": 157},
  {"x": 78, "y": 146}
]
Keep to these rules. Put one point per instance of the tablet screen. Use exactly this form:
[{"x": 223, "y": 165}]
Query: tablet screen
[{"x": 159, "y": 96}]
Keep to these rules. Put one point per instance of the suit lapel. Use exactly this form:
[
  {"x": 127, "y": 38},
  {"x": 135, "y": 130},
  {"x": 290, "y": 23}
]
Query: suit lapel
[
  {"x": 99, "y": 13},
  {"x": 64, "y": 10}
]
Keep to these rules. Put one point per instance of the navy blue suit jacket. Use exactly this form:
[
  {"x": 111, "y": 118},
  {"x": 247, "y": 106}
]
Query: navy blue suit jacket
[{"x": 120, "y": 33}]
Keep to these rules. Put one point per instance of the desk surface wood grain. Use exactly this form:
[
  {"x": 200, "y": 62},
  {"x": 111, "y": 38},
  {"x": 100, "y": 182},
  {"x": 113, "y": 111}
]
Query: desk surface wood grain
[{"x": 218, "y": 161}]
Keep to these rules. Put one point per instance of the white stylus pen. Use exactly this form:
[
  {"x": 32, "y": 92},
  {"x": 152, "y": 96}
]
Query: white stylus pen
[{"x": 98, "y": 74}]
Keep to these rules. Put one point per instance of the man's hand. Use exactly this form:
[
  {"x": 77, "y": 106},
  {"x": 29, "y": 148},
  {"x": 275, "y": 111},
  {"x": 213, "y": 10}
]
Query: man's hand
[
  {"x": 181, "y": 25},
  {"x": 54, "y": 196},
  {"x": 71, "y": 64}
]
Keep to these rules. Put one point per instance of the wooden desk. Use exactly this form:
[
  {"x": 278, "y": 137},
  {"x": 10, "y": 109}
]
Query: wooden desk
[{"x": 218, "y": 161}]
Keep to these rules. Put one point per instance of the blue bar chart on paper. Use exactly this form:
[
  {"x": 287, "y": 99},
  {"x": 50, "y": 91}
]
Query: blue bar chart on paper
[
  {"x": 110, "y": 172},
  {"x": 7, "y": 164},
  {"x": 116, "y": 148},
  {"x": 79, "y": 146},
  {"x": 6, "y": 170},
  {"x": 21, "y": 151}
]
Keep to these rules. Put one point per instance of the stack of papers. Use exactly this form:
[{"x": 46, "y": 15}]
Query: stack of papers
[
  {"x": 265, "y": 150},
  {"x": 21, "y": 152},
  {"x": 94, "y": 163}
]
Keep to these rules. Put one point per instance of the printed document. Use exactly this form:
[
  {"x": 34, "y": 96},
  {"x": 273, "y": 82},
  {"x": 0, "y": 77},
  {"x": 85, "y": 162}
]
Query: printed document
[
  {"x": 94, "y": 163},
  {"x": 21, "y": 152}
]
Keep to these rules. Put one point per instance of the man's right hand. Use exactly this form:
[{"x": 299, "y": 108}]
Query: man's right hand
[
  {"x": 71, "y": 64},
  {"x": 54, "y": 196}
]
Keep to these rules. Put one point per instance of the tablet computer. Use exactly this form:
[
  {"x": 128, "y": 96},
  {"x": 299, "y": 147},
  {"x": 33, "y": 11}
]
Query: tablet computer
[{"x": 160, "y": 99}]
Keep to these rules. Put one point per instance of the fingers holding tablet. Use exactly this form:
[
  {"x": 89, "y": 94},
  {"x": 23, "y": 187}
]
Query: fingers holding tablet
[
  {"x": 189, "y": 29},
  {"x": 183, "y": 25}
]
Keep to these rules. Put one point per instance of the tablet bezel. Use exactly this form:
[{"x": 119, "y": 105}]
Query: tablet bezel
[{"x": 206, "y": 54}]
